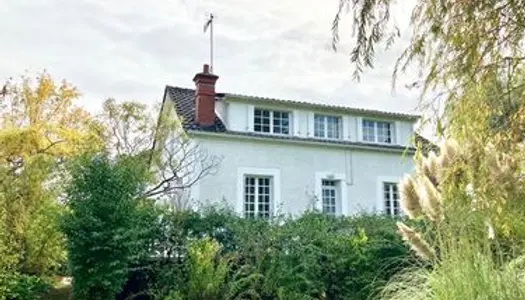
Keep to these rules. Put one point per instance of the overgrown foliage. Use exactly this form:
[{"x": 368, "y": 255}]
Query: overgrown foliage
[
  {"x": 311, "y": 257},
  {"x": 15, "y": 286},
  {"x": 469, "y": 199},
  {"x": 102, "y": 226}
]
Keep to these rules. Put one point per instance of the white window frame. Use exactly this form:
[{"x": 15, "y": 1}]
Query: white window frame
[
  {"x": 381, "y": 180},
  {"x": 393, "y": 134},
  {"x": 257, "y": 194},
  {"x": 275, "y": 187},
  {"x": 343, "y": 191},
  {"x": 325, "y": 118},
  {"x": 392, "y": 199},
  {"x": 334, "y": 196},
  {"x": 272, "y": 112}
]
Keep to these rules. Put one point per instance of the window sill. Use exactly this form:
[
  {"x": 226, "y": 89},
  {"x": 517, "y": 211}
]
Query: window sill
[
  {"x": 271, "y": 133},
  {"x": 328, "y": 139},
  {"x": 378, "y": 143}
]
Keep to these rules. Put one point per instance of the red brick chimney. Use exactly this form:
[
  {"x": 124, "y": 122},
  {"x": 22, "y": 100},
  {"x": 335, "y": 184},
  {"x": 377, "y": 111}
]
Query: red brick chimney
[{"x": 205, "y": 97}]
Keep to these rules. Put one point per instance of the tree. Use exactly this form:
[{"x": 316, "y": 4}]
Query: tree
[
  {"x": 470, "y": 53},
  {"x": 40, "y": 128},
  {"x": 102, "y": 226},
  {"x": 41, "y": 119},
  {"x": 175, "y": 162},
  {"x": 453, "y": 43}
]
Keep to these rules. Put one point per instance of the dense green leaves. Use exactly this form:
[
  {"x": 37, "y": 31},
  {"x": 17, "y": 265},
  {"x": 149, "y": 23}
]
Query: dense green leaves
[
  {"x": 15, "y": 286},
  {"x": 101, "y": 225},
  {"x": 310, "y": 257}
]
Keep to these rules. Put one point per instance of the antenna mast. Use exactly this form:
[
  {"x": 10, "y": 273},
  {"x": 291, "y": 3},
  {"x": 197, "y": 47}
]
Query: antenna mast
[{"x": 209, "y": 23}]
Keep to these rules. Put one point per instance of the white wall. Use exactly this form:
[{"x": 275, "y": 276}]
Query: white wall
[
  {"x": 240, "y": 118},
  {"x": 297, "y": 166},
  {"x": 221, "y": 110}
]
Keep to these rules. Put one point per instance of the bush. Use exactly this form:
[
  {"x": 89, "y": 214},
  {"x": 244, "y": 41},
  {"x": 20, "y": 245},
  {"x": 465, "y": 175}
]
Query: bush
[
  {"x": 15, "y": 286},
  {"x": 102, "y": 227},
  {"x": 207, "y": 270},
  {"x": 311, "y": 257}
]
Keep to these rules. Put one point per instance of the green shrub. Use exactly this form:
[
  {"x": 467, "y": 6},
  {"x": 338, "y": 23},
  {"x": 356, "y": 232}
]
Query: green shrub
[
  {"x": 311, "y": 257},
  {"x": 103, "y": 225},
  {"x": 15, "y": 286},
  {"x": 207, "y": 270}
]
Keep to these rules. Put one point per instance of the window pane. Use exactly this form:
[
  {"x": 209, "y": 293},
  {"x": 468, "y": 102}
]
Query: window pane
[
  {"x": 327, "y": 126},
  {"x": 391, "y": 198},
  {"x": 261, "y": 120},
  {"x": 281, "y": 122},
  {"x": 249, "y": 197},
  {"x": 384, "y": 132},
  {"x": 369, "y": 130},
  {"x": 332, "y": 127},
  {"x": 319, "y": 124},
  {"x": 329, "y": 196},
  {"x": 257, "y": 197}
]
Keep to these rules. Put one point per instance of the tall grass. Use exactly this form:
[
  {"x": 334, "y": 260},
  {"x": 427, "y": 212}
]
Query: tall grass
[
  {"x": 464, "y": 272},
  {"x": 473, "y": 259}
]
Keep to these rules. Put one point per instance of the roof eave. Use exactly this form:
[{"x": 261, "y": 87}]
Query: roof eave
[{"x": 294, "y": 103}]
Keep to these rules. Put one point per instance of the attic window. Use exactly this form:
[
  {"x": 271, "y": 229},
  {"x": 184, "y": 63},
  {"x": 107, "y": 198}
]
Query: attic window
[
  {"x": 377, "y": 131},
  {"x": 270, "y": 121},
  {"x": 327, "y": 126}
]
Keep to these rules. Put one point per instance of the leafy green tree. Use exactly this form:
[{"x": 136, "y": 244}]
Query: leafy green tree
[
  {"x": 40, "y": 127},
  {"x": 103, "y": 237}
]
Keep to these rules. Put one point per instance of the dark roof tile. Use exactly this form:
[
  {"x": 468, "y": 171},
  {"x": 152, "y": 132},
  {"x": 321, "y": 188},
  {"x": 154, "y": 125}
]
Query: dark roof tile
[{"x": 185, "y": 105}]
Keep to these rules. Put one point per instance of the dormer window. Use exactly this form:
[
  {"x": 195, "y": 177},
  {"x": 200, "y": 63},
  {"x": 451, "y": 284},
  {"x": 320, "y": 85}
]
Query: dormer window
[
  {"x": 377, "y": 131},
  {"x": 271, "y": 121},
  {"x": 328, "y": 127}
]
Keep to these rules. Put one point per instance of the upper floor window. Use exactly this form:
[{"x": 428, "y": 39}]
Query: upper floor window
[
  {"x": 377, "y": 131},
  {"x": 271, "y": 121},
  {"x": 391, "y": 199},
  {"x": 327, "y": 126}
]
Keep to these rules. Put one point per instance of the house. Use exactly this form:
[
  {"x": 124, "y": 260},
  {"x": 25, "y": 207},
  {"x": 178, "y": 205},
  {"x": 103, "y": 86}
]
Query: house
[{"x": 283, "y": 156}]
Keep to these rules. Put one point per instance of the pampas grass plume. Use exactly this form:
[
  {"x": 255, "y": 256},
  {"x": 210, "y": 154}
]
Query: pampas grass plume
[
  {"x": 417, "y": 243},
  {"x": 410, "y": 201}
]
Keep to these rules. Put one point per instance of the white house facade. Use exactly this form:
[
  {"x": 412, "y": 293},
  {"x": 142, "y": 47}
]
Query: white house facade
[{"x": 284, "y": 157}]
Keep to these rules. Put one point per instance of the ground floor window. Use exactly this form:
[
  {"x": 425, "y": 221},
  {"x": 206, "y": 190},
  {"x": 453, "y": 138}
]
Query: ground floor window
[
  {"x": 391, "y": 198},
  {"x": 330, "y": 197},
  {"x": 257, "y": 197}
]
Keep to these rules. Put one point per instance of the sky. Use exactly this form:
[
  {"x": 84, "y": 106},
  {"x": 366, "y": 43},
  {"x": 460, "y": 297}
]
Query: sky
[{"x": 129, "y": 50}]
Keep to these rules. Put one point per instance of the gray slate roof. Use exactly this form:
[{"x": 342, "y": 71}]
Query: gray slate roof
[{"x": 184, "y": 99}]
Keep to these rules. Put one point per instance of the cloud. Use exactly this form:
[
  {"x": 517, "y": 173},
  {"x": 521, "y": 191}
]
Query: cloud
[{"x": 131, "y": 49}]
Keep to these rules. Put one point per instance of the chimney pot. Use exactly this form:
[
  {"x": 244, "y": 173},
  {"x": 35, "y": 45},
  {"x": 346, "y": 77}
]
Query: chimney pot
[{"x": 206, "y": 69}]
